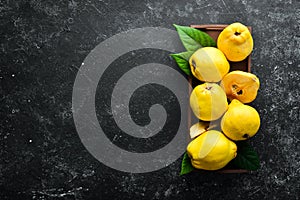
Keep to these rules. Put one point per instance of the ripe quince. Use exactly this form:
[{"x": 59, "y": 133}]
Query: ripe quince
[
  {"x": 211, "y": 150},
  {"x": 240, "y": 85},
  {"x": 208, "y": 101},
  {"x": 240, "y": 121},
  {"x": 236, "y": 42},
  {"x": 209, "y": 64}
]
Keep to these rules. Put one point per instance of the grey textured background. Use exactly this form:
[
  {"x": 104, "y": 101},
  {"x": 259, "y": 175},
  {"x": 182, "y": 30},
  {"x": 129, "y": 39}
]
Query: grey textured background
[{"x": 42, "y": 46}]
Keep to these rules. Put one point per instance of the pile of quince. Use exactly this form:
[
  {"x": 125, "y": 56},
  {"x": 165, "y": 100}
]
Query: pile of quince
[{"x": 220, "y": 101}]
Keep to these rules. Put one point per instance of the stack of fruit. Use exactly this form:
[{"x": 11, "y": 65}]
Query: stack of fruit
[{"x": 219, "y": 102}]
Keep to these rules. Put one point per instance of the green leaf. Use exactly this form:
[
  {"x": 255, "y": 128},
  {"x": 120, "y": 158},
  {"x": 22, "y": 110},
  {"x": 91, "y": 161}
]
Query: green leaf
[
  {"x": 193, "y": 39},
  {"x": 246, "y": 157},
  {"x": 186, "y": 165},
  {"x": 182, "y": 60}
]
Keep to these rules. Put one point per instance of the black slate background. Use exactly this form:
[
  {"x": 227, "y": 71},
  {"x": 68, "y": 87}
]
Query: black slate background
[{"x": 43, "y": 44}]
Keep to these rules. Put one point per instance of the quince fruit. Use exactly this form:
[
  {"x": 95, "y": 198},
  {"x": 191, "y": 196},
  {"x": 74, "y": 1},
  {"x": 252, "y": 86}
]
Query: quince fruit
[
  {"x": 209, "y": 64},
  {"x": 211, "y": 150},
  {"x": 236, "y": 42},
  {"x": 203, "y": 126},
  {"x": 240, "y": 85},
  {"x": 240, "y": 121},
  {"x": 208, "y": 101}
]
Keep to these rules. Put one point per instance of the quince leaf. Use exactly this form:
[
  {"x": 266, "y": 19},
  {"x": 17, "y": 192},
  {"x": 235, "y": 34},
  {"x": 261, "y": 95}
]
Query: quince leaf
[
  {"x": 182, "y": 60},
  {"x": 246, "y": 157},
  {"x": 193, "y": 39},
  {"x": 186, "y": 165}
]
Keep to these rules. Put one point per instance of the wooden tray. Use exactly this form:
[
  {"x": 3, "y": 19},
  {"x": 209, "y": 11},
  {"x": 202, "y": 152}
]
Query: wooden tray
[{"x": 245, "y": 65}]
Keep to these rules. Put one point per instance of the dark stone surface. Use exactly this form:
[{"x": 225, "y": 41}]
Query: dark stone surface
[{"x": 43, "y": 44}]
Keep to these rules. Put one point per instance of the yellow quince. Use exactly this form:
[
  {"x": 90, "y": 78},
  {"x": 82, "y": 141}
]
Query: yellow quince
[{"x": 236, "y": 42}]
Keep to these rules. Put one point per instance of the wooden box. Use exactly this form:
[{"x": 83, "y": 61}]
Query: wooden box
[{"x": 245, "y": 65}]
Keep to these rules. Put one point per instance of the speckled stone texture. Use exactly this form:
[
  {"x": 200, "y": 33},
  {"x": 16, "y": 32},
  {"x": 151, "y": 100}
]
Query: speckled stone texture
[{"x": 43, "y": 44}]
